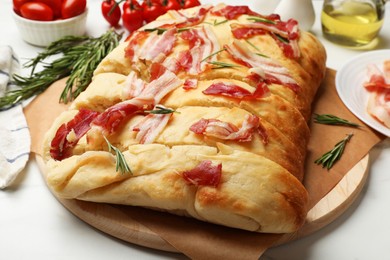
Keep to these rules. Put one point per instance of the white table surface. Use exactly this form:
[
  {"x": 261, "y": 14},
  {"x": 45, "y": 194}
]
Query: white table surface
[{"x": 34, "y": 225}]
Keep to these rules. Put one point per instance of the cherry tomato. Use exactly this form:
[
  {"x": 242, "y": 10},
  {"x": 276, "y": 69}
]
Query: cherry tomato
[
  {"x": 55, "y": 5},
  {"x": 190, "y": 3},
  {"x": 36, "y": 11},
  {"x": 111, "y": 12},
  {"x": 72, "y": 8},
  {"x": 171, "y": 5},
  {"x": 152, "y": 10},
  {"x": 132, "y": 16},
  {"x": 133, "y": 4},
  {"x": 18, "y": 3}
]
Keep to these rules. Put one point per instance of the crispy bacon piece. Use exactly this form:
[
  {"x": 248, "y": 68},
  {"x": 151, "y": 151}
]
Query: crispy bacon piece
[
  {"x": 204, "y": 174},
  {"x": 269, "y": 70},
  {"x": 202, "y": 43},
  {"x": 235, "y": 91},
  {"x": 231, "y": 12},
  {"x": 150, "y": 46},
  {"x": 150, "y": 127},
  {"x": 62, "y": 144},
  {"x": 227, "y": 131}
]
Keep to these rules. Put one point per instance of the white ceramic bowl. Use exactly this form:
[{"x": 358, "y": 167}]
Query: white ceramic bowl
[{"x": 42, "y": 33}]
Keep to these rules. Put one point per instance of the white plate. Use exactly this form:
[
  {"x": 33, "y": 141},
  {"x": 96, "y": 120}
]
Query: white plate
[{"x": 349, "y": 85}]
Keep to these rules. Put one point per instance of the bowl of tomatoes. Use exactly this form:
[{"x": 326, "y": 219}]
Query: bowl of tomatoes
[{"x": 40, "y": 22}]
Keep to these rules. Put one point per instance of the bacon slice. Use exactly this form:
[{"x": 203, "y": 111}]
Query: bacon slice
[
  {"x": 202, "y": 43},
  {"x": 111, "y": 118},
  {"x": 376, "y": 79},
  {"x": 268, "y": 69},
  {"x": 61, "y": 145},
  {"x": 133, "y": 86},
  {"x": 235, "y": 91},
  {"x": 150, "y": 46},
  {"x": 231, "y": 12},
  {"x": 135, "y": 43},
  {"x": 195, "y": 19},
  {"x": 204, "y": 174},
  {"x": 244, "y": 32},
  {"x": 179, "y": 20},
  {"x": 379, "y": 98},
  {"x": 227, "y": 131},
  {"x": 190, "y": 84},
  {"x": 160, "y": 87},
  {"x": 150, "y": 127},
  {"x": 286, "y": 34},
  {"x": 164, "y": 81}
]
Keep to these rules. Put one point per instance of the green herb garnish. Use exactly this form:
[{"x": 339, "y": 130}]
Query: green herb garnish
[
  {"x": 222, "y": 65},
  {"x": 80, "y": 56},
  {"x": 162, "y": 30},
  {"x": 161, "y": 110},
  {"x": 282, "y": 39},
  {"x": 212, "y": 54},
  {"x": 328, "y": 159},
  {"x": 254, "y": 46},
  {"x": 220, "y": 22},
  {"x": 328, "y": 119},
  {"x": 121, "y": 164},
  {"x": 260, "y": 19}
]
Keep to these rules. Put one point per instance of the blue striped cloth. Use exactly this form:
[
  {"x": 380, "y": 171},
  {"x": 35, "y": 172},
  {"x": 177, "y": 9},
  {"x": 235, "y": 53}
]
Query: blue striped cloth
[{"x": 15, "y": 137}]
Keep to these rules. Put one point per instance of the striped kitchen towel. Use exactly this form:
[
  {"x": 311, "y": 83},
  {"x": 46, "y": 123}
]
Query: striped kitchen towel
[{"x": 14, "y": 133}]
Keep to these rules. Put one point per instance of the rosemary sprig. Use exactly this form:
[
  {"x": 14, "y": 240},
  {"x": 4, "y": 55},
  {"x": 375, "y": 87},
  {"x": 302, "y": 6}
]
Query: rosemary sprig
[
  {"x": 282, "y": 39},
  {"x": 328, "y": 159},
  {"x": 255, "y": 47},
  {"x": 161, "y": 110},
  {"x": 222, "y": 65},
  {"x": 80, "y": 55},
  {"x": 216, "y": 23},
  {"x": 163, "y": 30},
  {"x": 260, "y": 19},
  {"x": 212, "y": 54},
  {"x": 328, "y": 119},
  {"x": 121, "y": 164}
]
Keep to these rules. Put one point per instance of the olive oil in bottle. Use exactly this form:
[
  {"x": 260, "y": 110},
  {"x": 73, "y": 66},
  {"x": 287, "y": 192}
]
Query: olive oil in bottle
[{"x": 352, "y": 22}]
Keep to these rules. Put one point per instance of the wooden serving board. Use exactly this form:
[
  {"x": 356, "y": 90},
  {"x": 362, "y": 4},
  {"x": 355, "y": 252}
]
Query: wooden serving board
[{"x": 119, "y": 221}]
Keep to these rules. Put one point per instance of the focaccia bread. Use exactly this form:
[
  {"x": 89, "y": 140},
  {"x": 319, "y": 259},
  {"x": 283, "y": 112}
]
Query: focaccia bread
[{"x": 208, "y": 107}]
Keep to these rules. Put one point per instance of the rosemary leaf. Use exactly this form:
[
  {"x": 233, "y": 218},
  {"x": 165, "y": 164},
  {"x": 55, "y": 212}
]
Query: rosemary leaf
[
  {"x": 328, "y": 159},
  {"x": 159, "y": 30},
  {"x": 257, "y": 53},
  {"x": 220, "y": 22},
  {"x": 282, "y": 39},
  {"x": 161, "y": 110},
  {"x": 222, "y": 65},
  {"x": 212, "y": 54},
  {"x": 328, "y": 119},
  {"x": 79, "y": 57},
  {"x": 121, "y": 164},
  {"x": 260, "y": 19}
]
